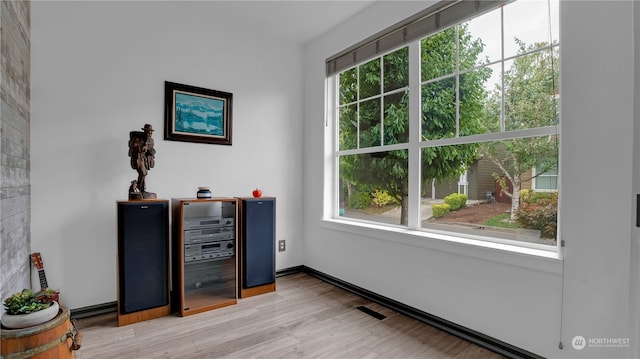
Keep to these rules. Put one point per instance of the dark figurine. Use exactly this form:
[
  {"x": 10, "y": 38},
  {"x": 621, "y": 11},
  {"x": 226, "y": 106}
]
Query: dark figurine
[
  {"x": 134, "y": 192},
  {"x": 142, "y": 156}
]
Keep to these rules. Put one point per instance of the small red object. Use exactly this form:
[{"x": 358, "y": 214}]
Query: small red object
[{"x": 257, "y": 193}]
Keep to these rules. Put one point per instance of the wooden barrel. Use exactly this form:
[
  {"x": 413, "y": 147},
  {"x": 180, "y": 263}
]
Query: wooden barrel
[{"x": 50, "y": 340}]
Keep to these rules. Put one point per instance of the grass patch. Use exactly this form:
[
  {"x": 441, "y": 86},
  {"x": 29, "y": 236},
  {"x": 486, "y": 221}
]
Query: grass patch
[{"x": 502, "y": 220}]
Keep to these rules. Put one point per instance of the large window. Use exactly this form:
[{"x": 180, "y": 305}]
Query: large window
[{"x": 456, "y": 131}]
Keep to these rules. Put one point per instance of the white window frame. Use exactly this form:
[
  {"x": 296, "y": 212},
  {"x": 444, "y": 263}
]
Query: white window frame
[
  {"x": 414, "y": 147},
  {"x": 535, "y": 176}
]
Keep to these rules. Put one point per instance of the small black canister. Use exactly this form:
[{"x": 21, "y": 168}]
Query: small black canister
[{"x": 204, "y": 192}]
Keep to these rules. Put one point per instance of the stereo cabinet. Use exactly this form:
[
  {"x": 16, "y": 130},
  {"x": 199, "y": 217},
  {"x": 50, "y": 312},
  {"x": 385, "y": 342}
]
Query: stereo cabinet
[
  {"x": 143, "y": 260},
  {"x": 257, "y": 246},
  {"x": 204, "y": 254}
]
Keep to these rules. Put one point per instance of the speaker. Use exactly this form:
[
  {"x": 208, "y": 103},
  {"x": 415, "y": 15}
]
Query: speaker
[
  {"x": 143, "y": 255},
  {"x": 258, "y": 242}
]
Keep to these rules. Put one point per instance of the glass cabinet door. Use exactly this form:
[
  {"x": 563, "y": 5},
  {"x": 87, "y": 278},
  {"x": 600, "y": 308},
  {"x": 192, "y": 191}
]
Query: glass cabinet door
[{"x": 207, "y": 253}]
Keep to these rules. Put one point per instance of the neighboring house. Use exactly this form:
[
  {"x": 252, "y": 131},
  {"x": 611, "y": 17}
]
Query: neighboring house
[{"x": 479, "y": 180}]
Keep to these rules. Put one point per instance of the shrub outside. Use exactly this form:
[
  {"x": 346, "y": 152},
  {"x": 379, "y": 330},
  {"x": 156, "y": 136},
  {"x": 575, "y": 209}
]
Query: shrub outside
[
  {"x": 359, "y": 200},
  {"x": 456, "y": 200},
  {"x": 440, "y": 209}
]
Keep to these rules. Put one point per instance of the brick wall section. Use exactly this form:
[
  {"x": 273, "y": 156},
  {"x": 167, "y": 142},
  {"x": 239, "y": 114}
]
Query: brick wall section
[{"x": 15, "y": 202}]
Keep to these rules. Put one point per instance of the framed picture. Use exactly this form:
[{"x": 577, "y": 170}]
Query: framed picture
[{"x": 194, "y": 114}]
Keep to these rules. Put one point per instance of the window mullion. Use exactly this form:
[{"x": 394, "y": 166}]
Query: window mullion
[
  {"x": 502, "y": 117},
  {"x": 457, "y": 70},
  {"x": 414, "y": 213},
  {"x": 332, "y": 159},
  {"x": 382, "y": 101},
  {"x": 358, "y": 107}
]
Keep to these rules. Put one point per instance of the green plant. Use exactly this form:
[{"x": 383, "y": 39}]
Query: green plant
[
  {"x": 439, "y": 210},
  {"x": 456, "y": 200},
  {"x": 26, "y": 301},
  {"x": 463, "y": 199},
  {"x": 382, "y": 198},
  {"x": 359, "y": 200},
  {"x": 542, "y": 216},
  {"x": 525, "y": 195},
  {"x": 547, "y": 196}
]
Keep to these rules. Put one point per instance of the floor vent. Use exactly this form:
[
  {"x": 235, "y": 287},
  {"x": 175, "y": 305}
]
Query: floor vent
[{"x": 372, "y": 313}]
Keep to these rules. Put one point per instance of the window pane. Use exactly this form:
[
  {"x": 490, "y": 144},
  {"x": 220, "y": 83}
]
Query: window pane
[
  {"x": 373, "y": 186},
  {"x": 445, "y": 163},
  {"x": 396, "y": 118},
  {"x": 480, "y": 40},
  {"x": 484, "y": 193},
  {"x": 550, "y": 172},
  {"x": 370, "y": 79},
  {"x": 370, "y": 125},
  {"x": 547, "y": 180},
  {"x": 529, "y": 23},
  {"x": 531, "y": 91},
  {"x": 348, "y": 86},
  {"x": 546, "y": 183},
  {"x": 479, "y": 112},
  {"x": 492, "y": 101},
  {"x": 396, "y": 69},
  {"x": 348, "y": 136},
  {"x": 438, "y": 54},
  {"x": 439, "y": 109}
]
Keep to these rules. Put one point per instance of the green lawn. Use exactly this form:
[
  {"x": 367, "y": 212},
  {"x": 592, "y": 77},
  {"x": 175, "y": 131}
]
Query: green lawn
[{"x": 501, "y": 220}]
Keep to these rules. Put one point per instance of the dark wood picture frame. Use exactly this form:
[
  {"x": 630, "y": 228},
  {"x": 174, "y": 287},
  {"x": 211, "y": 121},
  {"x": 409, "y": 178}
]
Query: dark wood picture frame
[{"x": 195, "y": 114}]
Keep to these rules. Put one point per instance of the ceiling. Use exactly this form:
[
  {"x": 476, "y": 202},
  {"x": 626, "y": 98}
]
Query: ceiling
[{"x": 298, "y": 21}]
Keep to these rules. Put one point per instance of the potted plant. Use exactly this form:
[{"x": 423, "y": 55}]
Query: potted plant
[{"x": 25, "y": 308}]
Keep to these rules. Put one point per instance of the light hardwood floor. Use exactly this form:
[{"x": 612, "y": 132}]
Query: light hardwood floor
[{"x": 304, "y": 318}]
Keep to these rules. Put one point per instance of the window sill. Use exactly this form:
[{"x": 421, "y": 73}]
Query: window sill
[{"x": 530, "y": 258}]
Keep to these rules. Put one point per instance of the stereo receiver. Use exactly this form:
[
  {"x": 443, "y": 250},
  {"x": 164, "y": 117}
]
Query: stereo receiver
[
  {"x": 207, "y": 238},
  {"x": 210, "y": 250},
  {"x": 192, "y": 223},
  {"x": 208, "y": 235}
]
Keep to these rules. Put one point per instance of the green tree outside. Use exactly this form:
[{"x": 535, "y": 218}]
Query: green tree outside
[
  {"x": 530, "y": 100},
  {"x": 384, "y": 120}
]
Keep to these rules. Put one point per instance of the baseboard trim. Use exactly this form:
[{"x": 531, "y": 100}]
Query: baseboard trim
[
  {"x": 93, "y": 310},
  {"x": 495, "y": 345},
  {"x": 289, "y": 271}
]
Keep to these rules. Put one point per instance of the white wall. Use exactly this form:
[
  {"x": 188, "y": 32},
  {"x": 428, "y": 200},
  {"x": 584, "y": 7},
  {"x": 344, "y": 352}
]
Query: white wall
[
  {"x": 98, "y": 72},
  {"x": 597, "y": 210},
  {"x": 635, "y": 245},
  {"x": 532, "y": 302}
]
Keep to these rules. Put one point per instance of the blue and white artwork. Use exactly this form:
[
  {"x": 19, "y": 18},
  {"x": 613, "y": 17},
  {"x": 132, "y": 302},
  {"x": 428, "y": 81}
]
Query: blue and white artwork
[{"x": 199, "y": 115}]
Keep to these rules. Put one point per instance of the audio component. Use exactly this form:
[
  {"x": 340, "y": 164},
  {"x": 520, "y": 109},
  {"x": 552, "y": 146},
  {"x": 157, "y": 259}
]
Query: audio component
[
  {"x": 209, "y": 238},
  {"x": 209, "y": 250}
]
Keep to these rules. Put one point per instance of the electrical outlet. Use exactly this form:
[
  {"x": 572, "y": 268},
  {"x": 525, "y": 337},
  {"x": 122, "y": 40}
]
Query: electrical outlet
[{"x": 281, "y": 245}]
